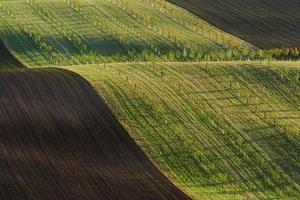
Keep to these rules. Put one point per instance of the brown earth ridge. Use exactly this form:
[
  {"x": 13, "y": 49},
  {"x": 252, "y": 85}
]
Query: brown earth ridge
[
  {"x": 59, "y": 140},
  {"x": 264, "y": 23}
]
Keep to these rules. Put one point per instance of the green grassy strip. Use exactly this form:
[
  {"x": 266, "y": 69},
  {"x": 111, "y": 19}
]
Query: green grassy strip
[
  {"x": 217, "y": 130},
  {"x": 58, "y": 32}
]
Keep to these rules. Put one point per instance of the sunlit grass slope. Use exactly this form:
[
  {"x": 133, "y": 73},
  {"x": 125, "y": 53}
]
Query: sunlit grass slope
[
  {"x": 218, "y": 131},
  {"x": 57, "y": 32}
]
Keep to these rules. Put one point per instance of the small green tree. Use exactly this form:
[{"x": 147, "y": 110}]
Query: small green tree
[
  {"x": 229, "y": 54},
  {"x": 221, "y": 55},
  {"x": 245, "y": 52}
]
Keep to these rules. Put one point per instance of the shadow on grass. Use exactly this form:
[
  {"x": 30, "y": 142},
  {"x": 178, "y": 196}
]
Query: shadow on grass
[{"x": 7, "y": 59}]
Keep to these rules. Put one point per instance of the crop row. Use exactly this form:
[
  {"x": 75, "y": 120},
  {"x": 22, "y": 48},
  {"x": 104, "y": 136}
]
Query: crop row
[
  {"x": 83, "y": 32},
  {"x": 218, "y": 131}
]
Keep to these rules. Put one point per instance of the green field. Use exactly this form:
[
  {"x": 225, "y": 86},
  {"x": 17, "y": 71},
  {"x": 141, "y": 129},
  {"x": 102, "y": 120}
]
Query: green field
[
  {"x": 218, "y": 125},
  {"x": 264, "y": 23},
  {"x": 56, "y": 32},
  {"x": 217, "y": 130}
]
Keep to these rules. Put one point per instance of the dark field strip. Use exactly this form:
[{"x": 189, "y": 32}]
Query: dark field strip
[
  {"x": 60, "y": 141},
  {"x": 264, "y": 23},
  {"x": 7, "y": 59}
]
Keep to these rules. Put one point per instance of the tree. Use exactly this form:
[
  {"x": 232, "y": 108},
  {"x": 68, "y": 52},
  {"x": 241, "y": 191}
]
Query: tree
[
  {"x": 294, "y": 52},
  {"x": 236, "y": 53},
  {"x": 245, "y": 52},
  {"x": 261, "y": 54},
  {"x": 171, "y": 56},
  {"x": 253, "y": 54},
  {"x": 286, "y": 52},
  {"x": 213, "y": 56},
  {"x": 221, "y": 55},
  {"x": 185, "y": 53},
  {"x": 200, "y": 55},
  {"x": 229, "y": 54}
]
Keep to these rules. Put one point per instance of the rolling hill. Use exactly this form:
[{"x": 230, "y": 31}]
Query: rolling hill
[
  {"x": 7, "y": 60},
  {"x": 211, "y": 124},
  {"x": 55, "y": 32},
  {"x": 60, "y": 141},
  {"x": 263, "y": 23},
  {"x": 217, "y": 130}
]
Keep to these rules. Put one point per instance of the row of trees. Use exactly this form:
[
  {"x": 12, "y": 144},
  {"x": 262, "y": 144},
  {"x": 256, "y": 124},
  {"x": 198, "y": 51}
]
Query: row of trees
[
  {"x": 177, "y": 51},
  {"x": 284, "y": 53},
  {"x": 150, "y": 53}
]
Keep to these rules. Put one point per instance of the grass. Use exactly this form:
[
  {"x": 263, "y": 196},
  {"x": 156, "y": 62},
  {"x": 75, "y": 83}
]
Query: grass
[
  {"x": 265, "y": 24},
  {"x": 55, "y": 32},
  {"x": 217, "y": 130}
]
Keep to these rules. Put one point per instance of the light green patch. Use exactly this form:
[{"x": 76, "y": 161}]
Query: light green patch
[{"x": 217, "y": 130}]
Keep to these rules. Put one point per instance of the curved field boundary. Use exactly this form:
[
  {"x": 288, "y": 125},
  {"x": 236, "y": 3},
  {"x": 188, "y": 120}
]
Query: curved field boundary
[
  {"x": 263, "y": 23},
  {"x": 60, "y": 141},
  {"x": 7, "y": 59},
  {"x": 217, "y": 130},
  {"x": 55, "y": 32}
]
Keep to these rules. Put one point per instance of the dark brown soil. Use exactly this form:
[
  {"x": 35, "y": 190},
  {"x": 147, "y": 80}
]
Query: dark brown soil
[
  {"x": 7, "y": 60},
  {"x": 58, "y": 140},
  {"x": 264, "y": 23}
]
